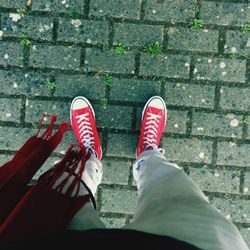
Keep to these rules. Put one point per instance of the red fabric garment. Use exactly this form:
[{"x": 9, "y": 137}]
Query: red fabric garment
[{"x": 31, "y": 213}]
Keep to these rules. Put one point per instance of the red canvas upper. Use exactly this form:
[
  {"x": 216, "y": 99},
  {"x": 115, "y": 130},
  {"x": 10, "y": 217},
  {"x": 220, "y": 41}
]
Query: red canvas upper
[
  {"x": 152, "y": 127},
  {"x": 84, "y": 126}
]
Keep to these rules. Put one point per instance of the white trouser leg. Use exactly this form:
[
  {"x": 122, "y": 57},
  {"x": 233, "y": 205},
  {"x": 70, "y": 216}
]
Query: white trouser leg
[
  {"x": 87, "y": 217},
  {"x": 170, "y": 203}
]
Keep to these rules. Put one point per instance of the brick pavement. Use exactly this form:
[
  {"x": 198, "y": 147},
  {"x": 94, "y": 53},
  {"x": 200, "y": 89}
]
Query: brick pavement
[{"x": 201, "y": 72}]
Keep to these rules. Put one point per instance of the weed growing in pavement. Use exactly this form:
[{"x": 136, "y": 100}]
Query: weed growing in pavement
[
  {"x": 245, "y": 28},
  {"x": 104, "y": 102},
  {"x": 153, "y": 49},
  {"x": 21, "y": 12},
  {"x": 196, "y": 24},
  {"x": 196, "y": 9},
  {"x": 234, "y": 56},
  {"x": 105, "y": 47},
  {"x": 35, "y": 125},
  {"x": 51, "y": 85},
  {"x": 108, "y": 80},
  {"x": 244, "y": 121},
  {"x": 24, "y": 40},
  {"x": 120, "y": 49}
]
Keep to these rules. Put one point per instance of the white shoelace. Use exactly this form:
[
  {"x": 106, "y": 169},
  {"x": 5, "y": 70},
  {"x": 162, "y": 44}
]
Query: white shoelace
[
  {"x": 150, "y": 133},
  {"x": 85, "y": 130}
]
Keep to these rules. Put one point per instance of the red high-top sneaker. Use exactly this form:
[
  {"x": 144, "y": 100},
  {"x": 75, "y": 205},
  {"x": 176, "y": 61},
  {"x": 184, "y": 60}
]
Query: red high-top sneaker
[
  {"x": 153, "y": 123},
  {"x": 82, "y": 117}
]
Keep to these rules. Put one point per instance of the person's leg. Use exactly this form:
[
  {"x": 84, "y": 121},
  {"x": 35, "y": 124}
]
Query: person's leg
[
  {"x": 83, "y": 123},
  {"x": 170, "y": 203},
  {"x": 87, "y": 217}
]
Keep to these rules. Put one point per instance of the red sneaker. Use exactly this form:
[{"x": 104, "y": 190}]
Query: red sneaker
[
  {"x": 153, "y": 123},
  {"x": 82, "y": 117}
]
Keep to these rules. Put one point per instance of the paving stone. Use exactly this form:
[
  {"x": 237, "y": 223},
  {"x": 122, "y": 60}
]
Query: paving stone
[
  {"x": 4, "y": 158},
  {"x": 118, "y": 200},
  {"x": 187, "y": 150},
  {"x": 230, "y": 153},
  {"x": 113, "y": 222},
  {"x": 63, "y": 57},
  {"x": 12, "y": 3},
  {"x": 108, "y": 61},
  {"x": 72, "y": 7},
  {"x": 24, "y": 82},
  {"x": 35, "y": 27},
  {"x": 235, "y": 98},
  {"x": 237, "y": 42},
  {"x": 75, "y": 85},
  {"x": 119, "y": 8},
  {"x": 246, "y": 188},
  {"x": 133, "y": 90},
  {"x": 245, "y": 232},
  {"x": 172, "y": 66},
  {"x": 12, "y": 138},
  {"x": 10, "y": 109},
  {"x": 194, "y": 40},
  {"x": 169, "y": 11},
  {"x": 79, "y": 30},
  {"x": 213, "y": 124},
  {"x": 190, "y": 95},
  {"x": 116, "y": 171},
  {"x": 141, "y": 35},
  {"x": 68, "y": 139},
  {"x": 236, "y": 14},
  {"x": 216, "y": 69},
  {"x": 35, "y": 108},
  {"x": 111, "y": 116},
  {"x": 235, "y": 210},
  {"x": 123, "y": 145},
  {"x": 10, "y": 54},
  {"x": 214, "y": 180},
  {"x": 176, "y": 121}
]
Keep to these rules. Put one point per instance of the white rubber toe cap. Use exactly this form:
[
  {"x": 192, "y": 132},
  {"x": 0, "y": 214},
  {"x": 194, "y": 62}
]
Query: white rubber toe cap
[{"x": 157, "y": 102}]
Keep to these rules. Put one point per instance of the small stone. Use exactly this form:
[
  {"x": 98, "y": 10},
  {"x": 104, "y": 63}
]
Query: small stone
[
  {"x": 216, "y": 174},
  {"x": 233, "y": 49},
  {"x": 201, "y": 155},
  {"x": 15, "y": 17},
  {"x": 245, "y": 190},
  {"x": 222, "y": 65},
  {"x": 76, "y": 23},
  {"x": 234, "y": 123}
]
